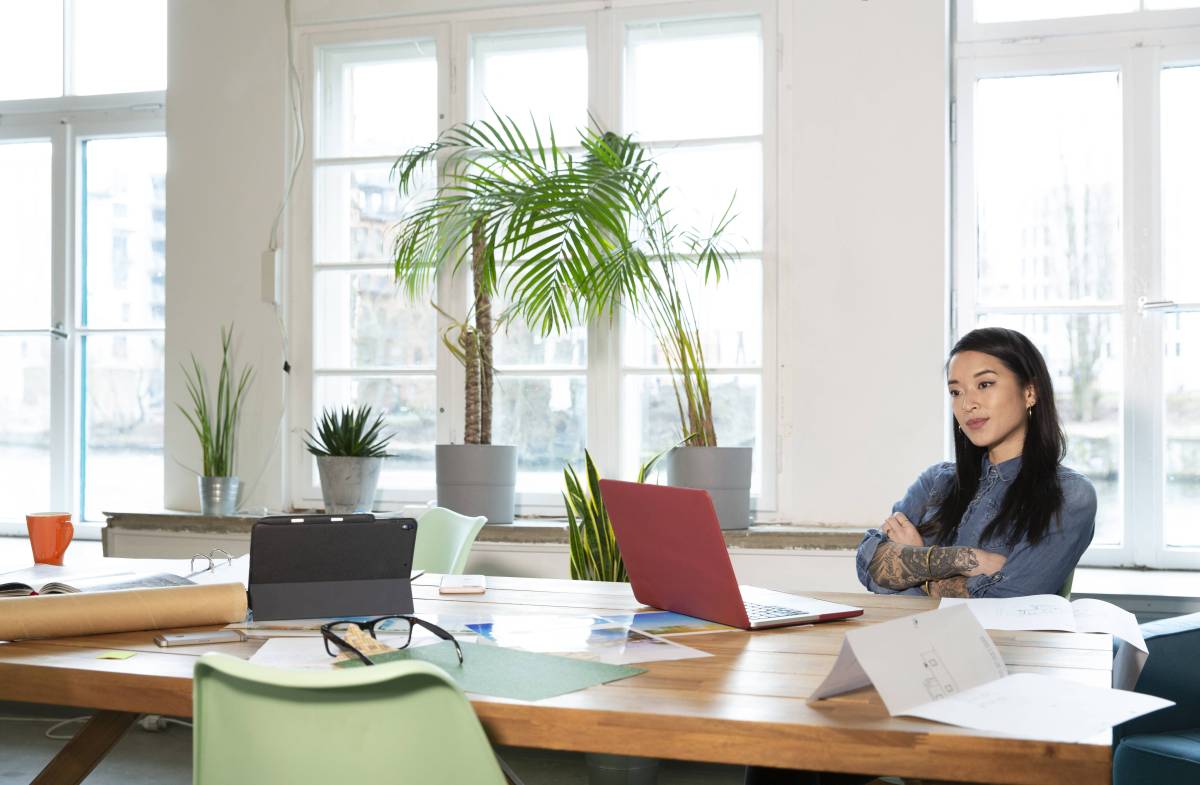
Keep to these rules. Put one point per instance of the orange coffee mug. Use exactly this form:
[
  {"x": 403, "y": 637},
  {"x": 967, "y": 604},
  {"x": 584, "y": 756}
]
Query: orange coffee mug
[{"x": 49, "y": 534}]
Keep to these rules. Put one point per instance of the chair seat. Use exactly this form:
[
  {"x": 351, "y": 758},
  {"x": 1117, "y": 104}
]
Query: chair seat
[{"x": 1171, "y": 758}]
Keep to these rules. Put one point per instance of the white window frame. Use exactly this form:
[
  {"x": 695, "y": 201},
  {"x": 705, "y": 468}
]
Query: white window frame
[
  {"x": 1083, "y": 45},
  {"x": 67, "y": 122},
  {"x": 603, "y": 26}
]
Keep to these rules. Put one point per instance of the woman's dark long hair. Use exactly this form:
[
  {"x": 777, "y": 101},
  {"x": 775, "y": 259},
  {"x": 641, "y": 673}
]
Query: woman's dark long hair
[{"x": 1035, "y": 497}]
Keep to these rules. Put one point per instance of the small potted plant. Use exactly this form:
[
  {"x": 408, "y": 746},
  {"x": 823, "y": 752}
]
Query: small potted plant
[
  {"x": 215, "y": 422},
  {"x": 350, "y": 447},
  {"x": 593, "y": 545}
]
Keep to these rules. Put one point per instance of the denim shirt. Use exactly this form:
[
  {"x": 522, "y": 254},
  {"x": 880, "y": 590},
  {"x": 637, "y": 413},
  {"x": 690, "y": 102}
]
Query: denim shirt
[{"x": 1030, "y": 569}]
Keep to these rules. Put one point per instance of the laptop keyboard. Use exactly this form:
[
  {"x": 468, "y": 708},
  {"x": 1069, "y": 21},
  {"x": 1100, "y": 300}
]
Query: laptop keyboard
[{"x": 758, "y": 612}]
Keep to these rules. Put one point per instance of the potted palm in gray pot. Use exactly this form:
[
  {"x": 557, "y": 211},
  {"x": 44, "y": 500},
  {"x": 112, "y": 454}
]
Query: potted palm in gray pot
[
  {"x": 349, "y": 447},
  {"x": 215, "y": 421},
  {"x": 697, "y": 461},
  {"x": 546, "y": 229}
]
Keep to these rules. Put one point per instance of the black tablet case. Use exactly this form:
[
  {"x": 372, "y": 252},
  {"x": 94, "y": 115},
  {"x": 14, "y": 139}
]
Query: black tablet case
[{"x": 311, "y": 567}]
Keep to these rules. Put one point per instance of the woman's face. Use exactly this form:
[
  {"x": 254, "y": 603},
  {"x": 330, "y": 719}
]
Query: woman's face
[{"x": 990, "y": 404}]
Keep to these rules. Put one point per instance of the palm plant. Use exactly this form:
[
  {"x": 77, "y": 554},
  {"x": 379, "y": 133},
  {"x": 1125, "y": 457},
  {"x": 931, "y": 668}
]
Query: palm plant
[
  {"x": 564, "y": 238},
  {"x": 215, "y": 422},
  {"x": 349, "y": 433}
]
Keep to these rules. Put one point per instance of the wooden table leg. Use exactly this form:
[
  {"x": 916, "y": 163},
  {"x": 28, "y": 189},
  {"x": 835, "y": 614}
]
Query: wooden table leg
[{"x": 87, "y": 748}]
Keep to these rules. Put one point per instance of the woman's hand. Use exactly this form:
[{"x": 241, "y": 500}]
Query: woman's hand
[
  {"x": 899, "y": 529},
  {"x": 981, "y": 562}
]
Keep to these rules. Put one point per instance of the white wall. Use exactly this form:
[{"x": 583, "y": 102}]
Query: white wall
[
  {"x": 226, "y": 153},
  {"x": 862, "y": 291},
  {"x": 863, "y": 298}
]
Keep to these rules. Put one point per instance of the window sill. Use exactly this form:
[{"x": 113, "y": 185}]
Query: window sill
[
  {"x": 533, "y": 531},
  {"x": 1089, "y": 581}
]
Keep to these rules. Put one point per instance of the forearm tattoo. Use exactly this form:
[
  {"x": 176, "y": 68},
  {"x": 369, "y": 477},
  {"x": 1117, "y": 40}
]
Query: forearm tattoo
[
  {"x": 900, "y": 567},
  {"x": 949, "y": 587}
]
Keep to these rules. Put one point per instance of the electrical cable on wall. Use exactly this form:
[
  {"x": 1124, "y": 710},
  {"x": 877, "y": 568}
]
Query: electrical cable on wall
[{"x": 272, "y": 256}]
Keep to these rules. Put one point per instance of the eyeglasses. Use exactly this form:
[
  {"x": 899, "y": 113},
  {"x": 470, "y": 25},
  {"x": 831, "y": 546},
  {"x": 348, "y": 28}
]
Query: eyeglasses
[{"x": 335, "y": 644}]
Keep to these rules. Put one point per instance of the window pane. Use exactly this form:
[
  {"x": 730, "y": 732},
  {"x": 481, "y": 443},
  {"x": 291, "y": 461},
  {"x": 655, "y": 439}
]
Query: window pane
[
  {"x": 546, "y": 417},
  {"x": 122, "y": 389},
  {"x": 704, "y": 182},
  {"x": 120, "y": 46},
  {"x": 25, "y": 235},
  {"x": 518, "y": 346},
  {"x": 25, "y": 426},
  {"x": 650, "y": 419},
  {"x": 409, "y": 407},
  {"x": 378, "y": 100},
  {"x": 541, "y": 75},
  {"x": 678, "y": 72},
  {"x": 357, "y": 211},
  {"x": 31, "y": 54},
  {"x": 1181, "y": 183},
  {"x": 1083, "y": 353},
  {"x": 1025, "y": 10},
  {"x": 124, "y": 262},
  {"x": 728, "y": 313},
  {"x": 362, "y": 320},
  {"x": 1181, "y": 426},
  {"x": 1048, "y": 187}
]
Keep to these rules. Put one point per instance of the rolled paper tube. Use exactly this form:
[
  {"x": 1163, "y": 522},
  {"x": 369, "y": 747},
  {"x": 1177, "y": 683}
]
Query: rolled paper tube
[{"x": 127, "y": 610}]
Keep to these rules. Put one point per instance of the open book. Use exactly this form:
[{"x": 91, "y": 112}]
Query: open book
[
  {"x": 50, "y": 579},
  {"x": 1051, "y": 612}
]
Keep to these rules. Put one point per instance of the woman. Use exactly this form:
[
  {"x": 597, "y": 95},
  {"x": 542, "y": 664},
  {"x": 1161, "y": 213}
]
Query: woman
[{"x": 1006, "y": 519}]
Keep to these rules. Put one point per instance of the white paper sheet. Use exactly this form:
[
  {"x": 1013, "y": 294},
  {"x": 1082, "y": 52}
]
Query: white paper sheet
[
  {"x": 586, "y": 638},
  {"x": 308, "y": 653},
  {"x": 1100, "y": 616},
  {"x": 923, "y": 657},
  {"x": 941, "y": 665},
  {"x": 1043, "y": 707}
]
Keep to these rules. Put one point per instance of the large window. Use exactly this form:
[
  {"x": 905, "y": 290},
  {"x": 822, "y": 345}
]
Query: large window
[
  {"x": 1076, "y": 167},
  {"x": 370, "y": 345},
  {"x": 655, "y": 72},
  {"x": 82, "y": 265},
  {"x": 675, "y": 72}
]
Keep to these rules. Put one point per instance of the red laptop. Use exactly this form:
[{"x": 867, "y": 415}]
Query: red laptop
[{"x": 677, "y": 561}]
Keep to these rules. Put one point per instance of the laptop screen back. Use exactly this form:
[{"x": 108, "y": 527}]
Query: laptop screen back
[{"x": 674, "y": 551}]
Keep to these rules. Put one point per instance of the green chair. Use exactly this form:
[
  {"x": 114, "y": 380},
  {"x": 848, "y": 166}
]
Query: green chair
[
  {"x": 1065, "y": 591},
  {"x": 390, "y": 723},
  {"x": 444, "y": 540}
]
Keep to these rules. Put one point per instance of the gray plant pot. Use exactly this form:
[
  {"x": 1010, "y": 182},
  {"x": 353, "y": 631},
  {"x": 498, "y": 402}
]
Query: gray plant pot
[
  {"x": 477, "y": 479},
  {"x": 219, "y": 495},
  {"x": 620, "y": 769},
  {"x": 348, "y": 483},
  {"x": 722, "y": 471}
]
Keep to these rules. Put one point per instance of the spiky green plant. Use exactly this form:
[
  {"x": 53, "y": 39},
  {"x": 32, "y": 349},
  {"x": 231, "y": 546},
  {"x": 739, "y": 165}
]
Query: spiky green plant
[
  {"x": 350, "y": 433},
  {"x": 215, "y": 422},
  {"x": 594, "y": 552}
]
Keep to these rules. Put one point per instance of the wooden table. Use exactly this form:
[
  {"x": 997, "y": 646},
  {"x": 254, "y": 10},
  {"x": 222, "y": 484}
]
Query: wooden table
[{"x": 745, "y": 705}]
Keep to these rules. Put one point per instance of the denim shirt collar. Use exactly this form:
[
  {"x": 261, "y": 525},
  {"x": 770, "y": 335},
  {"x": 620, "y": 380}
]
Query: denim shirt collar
[{"x": 1006, "y": 469}]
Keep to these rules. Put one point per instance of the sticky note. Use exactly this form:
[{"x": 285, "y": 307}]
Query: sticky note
[{"x": 115, "y": 655}]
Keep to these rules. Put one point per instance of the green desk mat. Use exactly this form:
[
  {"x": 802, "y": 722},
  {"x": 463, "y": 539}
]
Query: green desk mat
[{"x": 509, "y": 673}]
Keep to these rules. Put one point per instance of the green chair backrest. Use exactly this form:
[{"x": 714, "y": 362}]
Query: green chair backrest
[
  {"x": 1065, "y": 591},
  {"x": 444, "y": 540},
  {"x": 390, "y": 723}
]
